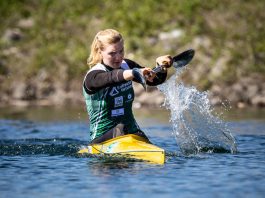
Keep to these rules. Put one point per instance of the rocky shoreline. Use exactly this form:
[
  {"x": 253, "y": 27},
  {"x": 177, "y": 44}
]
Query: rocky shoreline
[
  {"x": 42, "y": 91},
  {"x": 248, "y": 91}
]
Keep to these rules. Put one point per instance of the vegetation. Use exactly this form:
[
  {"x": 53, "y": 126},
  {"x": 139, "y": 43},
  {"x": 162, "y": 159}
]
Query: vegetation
[{"x": 55, "y": 35}]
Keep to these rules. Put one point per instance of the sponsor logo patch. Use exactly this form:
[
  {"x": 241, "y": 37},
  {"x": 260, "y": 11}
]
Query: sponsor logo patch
[
  {"x": 117, "y": 112},
  {"x": 118, "y": 101}
]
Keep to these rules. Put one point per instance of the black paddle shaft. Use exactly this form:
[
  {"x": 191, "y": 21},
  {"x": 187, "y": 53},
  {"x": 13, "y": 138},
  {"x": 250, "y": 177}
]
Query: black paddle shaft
[{"x": 178, "y": 61}]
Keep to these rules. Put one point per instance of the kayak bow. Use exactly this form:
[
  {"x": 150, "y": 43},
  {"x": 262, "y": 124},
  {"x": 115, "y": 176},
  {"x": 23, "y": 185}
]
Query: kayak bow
[{"x": 131, "y": 146}]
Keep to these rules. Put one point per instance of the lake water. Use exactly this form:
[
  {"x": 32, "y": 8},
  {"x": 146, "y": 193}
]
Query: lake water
[
  {"x": 207, "y": 153},
  {"x": 38, "y": 159}
]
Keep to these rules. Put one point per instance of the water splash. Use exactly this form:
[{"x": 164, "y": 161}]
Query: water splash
[{"x": 195, "y": 126}]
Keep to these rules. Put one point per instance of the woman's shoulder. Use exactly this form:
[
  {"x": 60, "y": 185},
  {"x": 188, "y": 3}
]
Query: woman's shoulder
[
  {"x": 98, "y": 66},
  {"x": 94, "y": 70},
  {"x": 131, "y": 63}
]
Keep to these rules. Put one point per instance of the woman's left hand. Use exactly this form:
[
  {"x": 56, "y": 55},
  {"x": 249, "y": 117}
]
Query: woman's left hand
[{"x": 165, "y": 60}]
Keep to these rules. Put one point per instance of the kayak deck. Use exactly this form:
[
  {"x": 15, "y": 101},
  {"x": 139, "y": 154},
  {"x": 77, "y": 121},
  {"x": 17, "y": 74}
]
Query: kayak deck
[{"x": 131, "y": 146}]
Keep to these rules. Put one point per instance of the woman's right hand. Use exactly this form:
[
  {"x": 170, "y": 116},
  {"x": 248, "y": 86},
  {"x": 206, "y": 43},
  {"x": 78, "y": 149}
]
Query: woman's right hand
[{"x": 148, "y": 74}]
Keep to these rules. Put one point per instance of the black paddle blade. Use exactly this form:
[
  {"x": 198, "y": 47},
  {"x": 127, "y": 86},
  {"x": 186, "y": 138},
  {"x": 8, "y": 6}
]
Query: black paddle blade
[
  {"x": 138, "y": 77},
  {"x": 183, "y": 58}
]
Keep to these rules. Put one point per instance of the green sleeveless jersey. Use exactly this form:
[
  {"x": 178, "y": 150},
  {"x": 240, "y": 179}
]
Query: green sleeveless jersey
[{"x": 111, "y": 106}]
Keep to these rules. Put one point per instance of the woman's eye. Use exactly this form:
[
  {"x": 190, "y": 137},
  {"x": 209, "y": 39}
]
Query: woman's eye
[
  {"x": 111, "y": 54},
  {"x": 115, "y": 53}
]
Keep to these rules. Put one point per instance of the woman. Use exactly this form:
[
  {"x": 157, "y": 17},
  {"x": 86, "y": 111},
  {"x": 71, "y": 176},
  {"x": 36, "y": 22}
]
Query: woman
[{"x": 108, "y": 89}]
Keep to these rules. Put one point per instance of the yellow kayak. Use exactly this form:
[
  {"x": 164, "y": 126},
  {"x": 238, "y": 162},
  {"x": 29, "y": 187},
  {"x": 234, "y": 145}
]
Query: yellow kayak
[{"x": 131, "y": 146}]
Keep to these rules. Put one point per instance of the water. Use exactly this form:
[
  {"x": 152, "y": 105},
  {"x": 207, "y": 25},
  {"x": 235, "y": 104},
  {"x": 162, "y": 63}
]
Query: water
[
  {"x": 39, "y": 159},
  {"x": 195, "y": 126},
  {"x": 38, "y": 153}
]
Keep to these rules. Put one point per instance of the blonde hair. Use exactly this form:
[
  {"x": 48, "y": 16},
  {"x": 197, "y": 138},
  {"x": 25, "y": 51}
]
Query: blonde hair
[{"x": 102, "y": 38}]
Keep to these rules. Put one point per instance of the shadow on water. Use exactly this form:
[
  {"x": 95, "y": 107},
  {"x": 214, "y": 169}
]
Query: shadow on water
[{"x": 51, "y": 147}]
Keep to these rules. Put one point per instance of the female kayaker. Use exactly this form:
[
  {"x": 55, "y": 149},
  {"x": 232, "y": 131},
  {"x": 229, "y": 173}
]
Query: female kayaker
[{"x": 108, "y": 88}]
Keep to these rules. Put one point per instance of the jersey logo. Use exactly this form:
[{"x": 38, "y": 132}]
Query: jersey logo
[
  {"x": 117, "y": 112},
  {"x": 114, "y": 91},
  {"x": 118, "y": 101}
]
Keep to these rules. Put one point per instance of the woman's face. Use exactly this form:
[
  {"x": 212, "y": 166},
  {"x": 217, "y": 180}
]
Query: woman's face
[{"x": 113, "y": 55}]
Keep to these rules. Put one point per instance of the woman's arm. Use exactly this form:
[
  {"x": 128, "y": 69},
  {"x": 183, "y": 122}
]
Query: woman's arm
[
  {"x": 159, "y": 78},
  {"x": 98, "y": 79}
]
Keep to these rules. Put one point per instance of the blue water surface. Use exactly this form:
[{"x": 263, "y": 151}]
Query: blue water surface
[{"x": 38, "y": 159}]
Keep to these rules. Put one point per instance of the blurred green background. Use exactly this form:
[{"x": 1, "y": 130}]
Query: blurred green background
[{"x": 49, "y": 41}]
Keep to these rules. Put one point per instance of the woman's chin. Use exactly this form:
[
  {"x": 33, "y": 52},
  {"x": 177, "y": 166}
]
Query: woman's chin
[{"x": 116, "y": 65}]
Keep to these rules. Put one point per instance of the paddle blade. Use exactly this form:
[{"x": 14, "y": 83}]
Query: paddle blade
[
  {"x": 183, "y": 58},
  {"x": 138, "y": 77}
]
